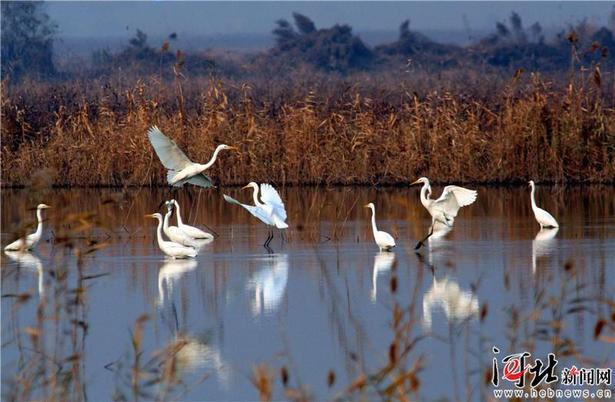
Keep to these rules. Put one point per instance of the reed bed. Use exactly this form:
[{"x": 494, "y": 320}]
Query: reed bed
[{"x": 316, "y": 129}]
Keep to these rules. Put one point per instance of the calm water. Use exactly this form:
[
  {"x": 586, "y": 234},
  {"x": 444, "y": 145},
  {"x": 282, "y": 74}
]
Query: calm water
[{"x": 98, "y": 299}]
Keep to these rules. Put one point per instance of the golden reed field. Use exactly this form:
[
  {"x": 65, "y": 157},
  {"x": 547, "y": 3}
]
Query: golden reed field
[{"x": 310, "y": 128}]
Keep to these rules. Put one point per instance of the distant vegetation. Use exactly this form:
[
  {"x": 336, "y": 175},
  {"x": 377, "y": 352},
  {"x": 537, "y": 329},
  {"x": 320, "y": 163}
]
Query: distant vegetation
[
  {"x": 27, "y": 40},
  {"x": 28, "y": 34},
  {"x": 320, "y": 107}
]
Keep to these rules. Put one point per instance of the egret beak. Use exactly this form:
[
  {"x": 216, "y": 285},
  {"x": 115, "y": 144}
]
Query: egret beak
[
  {"x": 416, "y": 182},
  {"x": 365, "y": 206},
  {"x": 244, "y": 187},
  {"x": 149, "y": 216},
  {"x": 230, "y": 148},
  {"x": 46, "y": 206}
]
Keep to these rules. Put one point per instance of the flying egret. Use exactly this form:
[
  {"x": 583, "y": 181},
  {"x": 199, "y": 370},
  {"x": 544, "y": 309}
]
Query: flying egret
[
  {"x": 171, "y": 248},
  {"x": 445, "y": 208},
  {"x": 545, "y": 219},
  {"x": 180, "y": 169},
  {"x": 384, "y": 240},
  {"x": 271, "y": 211},
  {"x": 173, "y": 232},
  {"x": 30, "y": 241},
  {"x": 191, "y": 231}
]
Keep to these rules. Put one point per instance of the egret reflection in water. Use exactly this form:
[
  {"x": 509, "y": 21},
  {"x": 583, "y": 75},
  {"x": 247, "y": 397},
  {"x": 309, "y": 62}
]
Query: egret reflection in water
[
  {"x": 440, "y": 250},
  {"x": 169, "y": 274},
  {"x": 30, "y": 262},
  {"x": 269, "y": 284},
  {"x": 383, "y": 262},
  {"x": 195, "y": 352},
  {"x": 543, "y": 245},
  {"x": 457, "y": 304}
]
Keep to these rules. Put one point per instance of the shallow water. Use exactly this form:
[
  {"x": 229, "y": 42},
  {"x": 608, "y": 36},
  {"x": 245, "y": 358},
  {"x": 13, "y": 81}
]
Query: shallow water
[{"x": 97, "y": 298}]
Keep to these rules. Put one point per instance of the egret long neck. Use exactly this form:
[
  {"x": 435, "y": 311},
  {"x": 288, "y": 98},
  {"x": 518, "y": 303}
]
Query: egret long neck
[
  {"x": 374, "y": 228},
  {"x": 159, "y": 233},
  {"x": 39, "y": 218},
  {"x": 166, "y": 220},
  {"x": 424, "y": 198},
  {"x": 255, "y": 196},
  {"x": 213, "y": 158},
  {"x": 532, "y": 197},
  {"x": 179, "y": 215}
]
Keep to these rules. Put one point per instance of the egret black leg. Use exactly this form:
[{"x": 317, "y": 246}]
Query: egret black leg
[
  {"x": 269, "y": 237},
  {"x": 420, "y": 243},
  {"x": 283, "y": 237}
]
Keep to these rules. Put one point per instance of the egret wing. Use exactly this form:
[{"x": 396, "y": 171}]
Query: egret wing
[
  {"x": 255, "y": 211},
  {"x": 167, "y": 150},
  {"x": 270, "y": 196},
  {"x": 200, "y": 180},
  {"x": 455, "y": 197}
]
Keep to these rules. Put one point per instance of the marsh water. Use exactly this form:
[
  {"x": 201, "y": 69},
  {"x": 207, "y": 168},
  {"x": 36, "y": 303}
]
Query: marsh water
[{"x": 96, "y": 312}]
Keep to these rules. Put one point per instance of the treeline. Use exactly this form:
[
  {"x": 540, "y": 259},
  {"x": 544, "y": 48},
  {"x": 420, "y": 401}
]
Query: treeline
[{"x": 27, "y": 43}]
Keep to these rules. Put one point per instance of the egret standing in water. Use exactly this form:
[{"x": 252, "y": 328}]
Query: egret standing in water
[
  {"x": 31, "y": 240},
  {"x": 171, "y": 248},
  {"x": 191, "y": 231},
  {"x": 544, "y": 219},
  {"x": 173, "y": 232},
  {"x": 445, "y": 208},
  {"x": 270, "y": 211},
  {"x": 181, "y": 170},
  {"x": 384, "y": 240}
]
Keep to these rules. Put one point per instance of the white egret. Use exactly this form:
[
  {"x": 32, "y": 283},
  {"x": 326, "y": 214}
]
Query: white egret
[
  {"x": 171, "y": 248},
  {"x": 180, "y": 169},
  {"x": 445, "y": 208},
  {"x": 271, "y": 211},
  {"x": 173, "y": 232},
  {"x": 383, "y": 262},
  {"x": 544, "y": 219},
  {"x": 384, "y": 240},
  {"x": 31, "y": 240},
  {"x": 457, "y": 304},
  {"x": 191, "y": 231},
  {"x": 269, "y": 285}
]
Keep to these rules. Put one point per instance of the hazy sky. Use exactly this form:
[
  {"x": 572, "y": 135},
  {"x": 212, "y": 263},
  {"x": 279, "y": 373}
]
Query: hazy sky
[{"x": 96, "y": 19}]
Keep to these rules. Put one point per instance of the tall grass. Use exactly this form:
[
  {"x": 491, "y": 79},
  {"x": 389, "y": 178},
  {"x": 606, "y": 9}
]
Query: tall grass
[{"x": 316, "y": 129}]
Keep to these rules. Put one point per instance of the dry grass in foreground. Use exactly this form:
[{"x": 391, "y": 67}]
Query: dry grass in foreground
[{"x": 317, "y": 130}]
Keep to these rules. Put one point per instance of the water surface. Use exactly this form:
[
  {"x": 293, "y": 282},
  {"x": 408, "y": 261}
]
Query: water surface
[{"x": 97, "y": 312}]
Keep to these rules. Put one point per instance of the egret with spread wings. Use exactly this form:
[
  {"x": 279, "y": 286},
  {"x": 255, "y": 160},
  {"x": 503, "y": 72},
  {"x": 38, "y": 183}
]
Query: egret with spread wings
[
  {"x": 445, "y": 208},
  {"x": 180, "y": 169},
  {"x": 270, "y": 211}
]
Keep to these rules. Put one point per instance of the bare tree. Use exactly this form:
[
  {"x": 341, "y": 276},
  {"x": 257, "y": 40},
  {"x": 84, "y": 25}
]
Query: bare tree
[{"x": 27, "y": 39}]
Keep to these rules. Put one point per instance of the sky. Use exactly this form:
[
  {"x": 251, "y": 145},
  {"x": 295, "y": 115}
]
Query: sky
[{"x": 157, "y": 18}]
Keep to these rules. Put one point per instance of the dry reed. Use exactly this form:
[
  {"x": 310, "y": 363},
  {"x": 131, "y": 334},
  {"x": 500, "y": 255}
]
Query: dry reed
[{"x": 315, "y": 129}]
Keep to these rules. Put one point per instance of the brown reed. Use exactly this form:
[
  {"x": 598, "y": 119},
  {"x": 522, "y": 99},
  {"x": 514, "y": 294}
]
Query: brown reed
[{"x": 316, "y": 129}]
